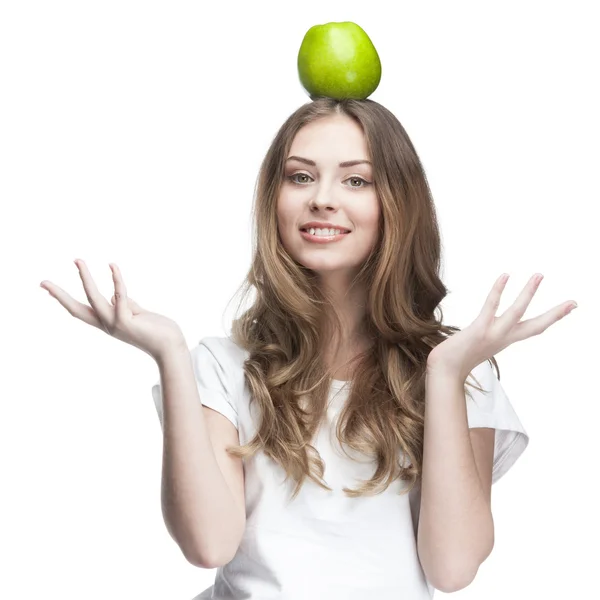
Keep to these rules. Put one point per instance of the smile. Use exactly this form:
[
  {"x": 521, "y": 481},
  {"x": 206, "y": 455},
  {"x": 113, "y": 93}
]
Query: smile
[{"x": 322, "y": 239}]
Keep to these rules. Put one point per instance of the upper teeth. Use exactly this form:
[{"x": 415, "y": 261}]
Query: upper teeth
[{"x": 314, "y": 231}]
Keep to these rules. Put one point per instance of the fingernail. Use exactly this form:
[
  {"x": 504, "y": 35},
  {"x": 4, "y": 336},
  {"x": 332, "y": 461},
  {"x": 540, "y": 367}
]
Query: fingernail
[{"x": 571, "y": 307}]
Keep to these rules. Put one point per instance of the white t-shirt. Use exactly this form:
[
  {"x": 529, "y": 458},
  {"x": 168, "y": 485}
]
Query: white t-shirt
[{"x": 324, "y": 544}]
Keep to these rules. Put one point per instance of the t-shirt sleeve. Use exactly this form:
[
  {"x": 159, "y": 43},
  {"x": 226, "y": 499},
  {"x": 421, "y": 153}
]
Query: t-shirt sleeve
[
  {"x": 215, "y": 387},
  {"x": 491, "y": 408}
]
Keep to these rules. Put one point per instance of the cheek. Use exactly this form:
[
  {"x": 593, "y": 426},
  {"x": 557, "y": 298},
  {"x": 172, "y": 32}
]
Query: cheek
[
  {"x": 285, "y": 216},
  {"x": 370, "y": 223},
  {"x": 282, "y": 225},
  {"x": 284, "y": 228},
  {"x": 369, "y": 216}
]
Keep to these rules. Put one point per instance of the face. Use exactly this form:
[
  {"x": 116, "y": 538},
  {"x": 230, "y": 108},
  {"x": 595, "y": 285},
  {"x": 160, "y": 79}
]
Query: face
[{"x": 328, "y": 192}]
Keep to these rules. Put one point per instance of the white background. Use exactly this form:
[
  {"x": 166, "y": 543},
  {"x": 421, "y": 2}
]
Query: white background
[{"x": 132, "y": 132}]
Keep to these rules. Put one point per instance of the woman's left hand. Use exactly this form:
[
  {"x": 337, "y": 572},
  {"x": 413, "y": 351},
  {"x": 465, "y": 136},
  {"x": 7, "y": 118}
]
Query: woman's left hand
[{"x": 488, "y": 335}]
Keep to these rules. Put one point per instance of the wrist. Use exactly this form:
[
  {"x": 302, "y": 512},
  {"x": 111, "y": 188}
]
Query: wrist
[
  {"x": 443, "y": 370},
  {"x": 171, "y": 351}
]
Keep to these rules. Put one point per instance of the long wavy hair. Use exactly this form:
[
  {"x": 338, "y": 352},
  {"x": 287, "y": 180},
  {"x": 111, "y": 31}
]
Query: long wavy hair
[{"x": 283, "y": 328}]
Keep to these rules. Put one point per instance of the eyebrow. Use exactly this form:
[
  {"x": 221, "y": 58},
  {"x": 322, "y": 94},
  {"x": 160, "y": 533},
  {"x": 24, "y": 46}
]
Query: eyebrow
[{"x": 312, "y": 163}]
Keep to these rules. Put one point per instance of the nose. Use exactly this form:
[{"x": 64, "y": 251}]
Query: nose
[{"x": 323, "y": 199}]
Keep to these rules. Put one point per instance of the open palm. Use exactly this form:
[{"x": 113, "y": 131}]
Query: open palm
[
  {"x": 488, "y": 335},
  {"x": 122, "y": 318}
]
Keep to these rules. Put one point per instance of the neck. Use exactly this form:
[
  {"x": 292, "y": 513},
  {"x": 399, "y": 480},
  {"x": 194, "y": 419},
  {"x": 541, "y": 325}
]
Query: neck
[{"x": 350, "y": 305}]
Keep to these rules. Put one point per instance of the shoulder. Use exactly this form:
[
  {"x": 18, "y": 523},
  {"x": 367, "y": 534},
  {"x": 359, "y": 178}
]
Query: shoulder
[
  {"x": 224, "y": 349},
  {"x": 221, "y": 353}
]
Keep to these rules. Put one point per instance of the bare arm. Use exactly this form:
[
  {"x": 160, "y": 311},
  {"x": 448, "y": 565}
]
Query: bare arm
[
  {"x": 198, "y": 506},
  {"x": 456, "y": 527}
]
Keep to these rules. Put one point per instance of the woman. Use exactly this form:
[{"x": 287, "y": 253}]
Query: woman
[{"x": 338, "y": 451}]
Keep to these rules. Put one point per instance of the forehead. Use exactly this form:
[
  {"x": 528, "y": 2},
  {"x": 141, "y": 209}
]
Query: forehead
[{"x": 338, "y": 137}]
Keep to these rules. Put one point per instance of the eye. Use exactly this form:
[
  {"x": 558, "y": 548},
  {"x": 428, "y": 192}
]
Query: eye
[
  {"x": 360, "y": 179},
  {"x": 291, "y": 177},
  {"x": 365, "y": 183}
]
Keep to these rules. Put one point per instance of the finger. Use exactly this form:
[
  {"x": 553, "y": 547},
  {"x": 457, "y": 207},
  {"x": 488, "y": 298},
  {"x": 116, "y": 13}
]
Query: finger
[
  {"x": 530, "y": 327},
  {"x": 121, "y": 300},
  {"x": 97, "y": 301},
  {"x": 492, "y": 302},
  {"x": 74, "y": 308},
  {"x": 133, "y": 306},
  {"x": 513, "y": 314}
]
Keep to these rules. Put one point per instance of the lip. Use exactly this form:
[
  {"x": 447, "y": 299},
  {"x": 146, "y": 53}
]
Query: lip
[
  {"x": 323, "y": 225},
  {"x": 320, "y": 239}
]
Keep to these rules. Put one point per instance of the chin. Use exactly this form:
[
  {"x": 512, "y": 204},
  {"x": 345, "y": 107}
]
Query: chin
[{"x": 324, "y": 267}]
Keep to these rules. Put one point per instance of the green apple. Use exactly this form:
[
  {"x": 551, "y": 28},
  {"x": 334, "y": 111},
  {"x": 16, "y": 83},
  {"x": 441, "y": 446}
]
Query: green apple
[{"x": 338, "y": 60}]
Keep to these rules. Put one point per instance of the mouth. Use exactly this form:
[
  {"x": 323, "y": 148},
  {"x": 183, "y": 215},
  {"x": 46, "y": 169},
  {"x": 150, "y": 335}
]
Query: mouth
[
  {"x": 323, "y": 239},
  {"x": 340, "y": 229}
]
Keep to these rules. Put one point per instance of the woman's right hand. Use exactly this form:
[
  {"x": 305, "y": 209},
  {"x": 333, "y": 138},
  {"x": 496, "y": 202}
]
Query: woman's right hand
[{"x": 123, "y": 318}]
